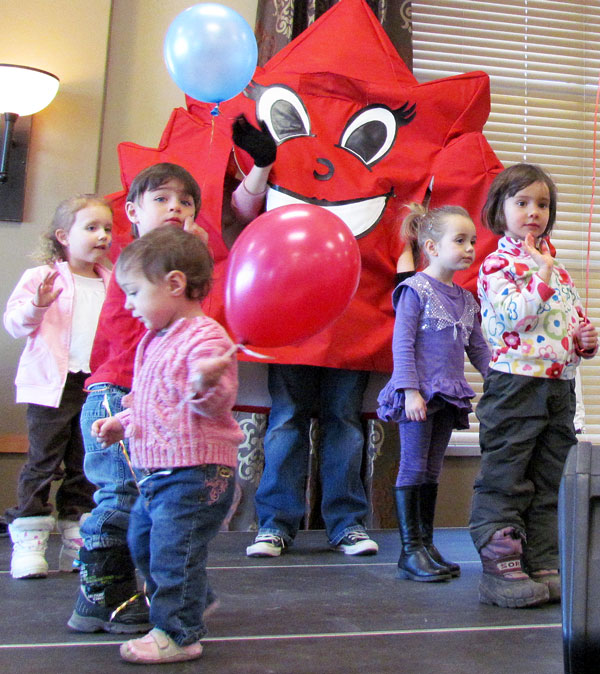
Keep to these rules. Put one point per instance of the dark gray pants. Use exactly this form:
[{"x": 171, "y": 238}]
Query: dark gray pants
[
  {"x": 526, "y": 431},
  {"x": 55, "y": 440}
]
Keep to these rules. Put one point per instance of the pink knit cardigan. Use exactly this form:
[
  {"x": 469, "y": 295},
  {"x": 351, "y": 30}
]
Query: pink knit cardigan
[{"x": 168, "y": 427}]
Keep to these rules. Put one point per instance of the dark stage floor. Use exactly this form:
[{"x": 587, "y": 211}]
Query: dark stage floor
[{"x": 311, "y": 611}]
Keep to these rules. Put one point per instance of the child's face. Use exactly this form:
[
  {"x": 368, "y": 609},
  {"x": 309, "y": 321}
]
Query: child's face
[
  {"x": 151, "y": 302},
  {"x": 168, "y": 204},
  {"x": 456, "y": 249},
  {"x": 528, "y": 211},
  {"x": 90, "y": 236}
]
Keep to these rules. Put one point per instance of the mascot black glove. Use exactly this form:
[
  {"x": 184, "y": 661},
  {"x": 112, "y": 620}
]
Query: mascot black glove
[{"x": 258, "y": 143}]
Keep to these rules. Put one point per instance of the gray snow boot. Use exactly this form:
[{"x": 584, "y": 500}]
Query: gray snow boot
[{"x": 503, "y": 582}]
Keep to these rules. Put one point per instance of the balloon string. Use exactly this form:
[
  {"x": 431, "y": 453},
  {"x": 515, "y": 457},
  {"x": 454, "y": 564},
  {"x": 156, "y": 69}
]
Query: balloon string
[
  {"x": 589, "y": 233},
  {"x": 192, "y": 395},
  {"x": 106, "y": 406},
  {"x": 249, "y": 352},
  {"x": 209, "y": 153}
]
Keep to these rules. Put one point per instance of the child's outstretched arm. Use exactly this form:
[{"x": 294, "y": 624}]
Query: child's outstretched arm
[
  {"x": 210, "y": 370},
  {"x": 30, "y": 300},
  {"x": 212, "y": 383},
  {"x": 45, "y": 293}
]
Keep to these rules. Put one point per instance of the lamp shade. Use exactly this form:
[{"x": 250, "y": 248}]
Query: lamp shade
[{"x": 25, "y": 90}]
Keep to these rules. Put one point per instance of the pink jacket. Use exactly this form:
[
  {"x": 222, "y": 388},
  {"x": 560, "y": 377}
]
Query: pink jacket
[
  {"x": 44, "y": 363},
  {"x": 168, "y": 426}
]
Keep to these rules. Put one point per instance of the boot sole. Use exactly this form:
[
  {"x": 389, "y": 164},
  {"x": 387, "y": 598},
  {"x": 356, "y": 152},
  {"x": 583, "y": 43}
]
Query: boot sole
[
  {"x": 90, "y": 624},
  {"x": 405, "y": 575},
  {"x": 504, "y": 602}
]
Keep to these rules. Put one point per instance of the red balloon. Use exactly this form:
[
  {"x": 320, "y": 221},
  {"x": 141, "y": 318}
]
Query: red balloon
[{"x": 290, "y": 274}]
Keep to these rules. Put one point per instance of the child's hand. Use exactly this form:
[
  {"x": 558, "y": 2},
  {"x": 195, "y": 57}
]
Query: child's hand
[
  {"x": 586, "y": 336},
  {"x": 192, "y": 228},
  {"x": 108, "y": 431},
  {"x": 258, "y": 143},
  {"x": 45, "y": 293},
  {"x": 415, "y": 407},
  {"x": 542, "y": 257},
  {"x": 210, "y": 370}
]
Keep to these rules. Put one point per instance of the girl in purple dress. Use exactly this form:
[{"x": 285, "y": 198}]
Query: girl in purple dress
[{"x": 428, "y": 395}]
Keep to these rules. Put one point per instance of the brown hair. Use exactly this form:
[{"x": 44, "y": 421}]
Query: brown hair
[
  {"x": 507, "y": 184},
  {"x": 50, "y": 249},
  {"x": 153, "y": 177},
  {"x": 422, "y": 224},
  {"x": 168, "y": 249}
]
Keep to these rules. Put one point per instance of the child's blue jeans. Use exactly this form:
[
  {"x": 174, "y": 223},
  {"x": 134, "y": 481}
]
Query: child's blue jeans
[
  {"x": 171, "y": 524},
  {"x": 108, "y": 469}
]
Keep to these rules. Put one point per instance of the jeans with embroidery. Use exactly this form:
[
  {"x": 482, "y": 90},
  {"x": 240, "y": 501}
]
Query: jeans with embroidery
[{"x": 177, "y": 514}]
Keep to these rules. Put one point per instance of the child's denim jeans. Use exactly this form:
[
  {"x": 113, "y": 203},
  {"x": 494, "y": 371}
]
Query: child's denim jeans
[
  {"x": 177, "y": 514},
  {"x": 107, "y": 468}
]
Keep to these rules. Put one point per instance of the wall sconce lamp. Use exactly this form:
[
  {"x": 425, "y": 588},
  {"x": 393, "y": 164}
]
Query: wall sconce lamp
[{"x": 23, "y": 91}]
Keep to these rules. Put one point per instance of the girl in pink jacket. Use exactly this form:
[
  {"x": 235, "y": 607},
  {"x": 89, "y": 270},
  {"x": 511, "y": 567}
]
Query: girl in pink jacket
[
  {"x": 182, "y": 436},
  {"x": 55, "y": 307}
]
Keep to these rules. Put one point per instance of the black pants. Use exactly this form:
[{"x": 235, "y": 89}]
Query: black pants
[
  {"x": 55, "y": 440},
  {"x": 526, "y": 431}
]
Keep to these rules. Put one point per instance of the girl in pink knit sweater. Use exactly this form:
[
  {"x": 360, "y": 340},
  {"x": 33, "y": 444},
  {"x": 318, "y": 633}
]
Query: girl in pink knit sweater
[{"x": 182, "y": 435}]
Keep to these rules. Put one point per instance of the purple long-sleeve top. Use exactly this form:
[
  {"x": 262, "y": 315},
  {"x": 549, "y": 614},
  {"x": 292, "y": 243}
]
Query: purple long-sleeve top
[{"x": 435, "y": 324}]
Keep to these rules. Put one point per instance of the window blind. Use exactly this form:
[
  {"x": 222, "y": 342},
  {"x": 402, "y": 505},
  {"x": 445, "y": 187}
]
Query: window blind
[{"x": 543, "y": 59}]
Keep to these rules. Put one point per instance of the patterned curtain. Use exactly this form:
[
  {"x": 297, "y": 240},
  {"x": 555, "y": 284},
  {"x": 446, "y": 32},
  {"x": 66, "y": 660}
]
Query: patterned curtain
[{"x": 280, "y": 21}]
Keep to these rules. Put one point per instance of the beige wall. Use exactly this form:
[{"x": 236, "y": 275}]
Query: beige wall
[
  {"x": 140, "y": 92},
  {"x": 94, "y": 47},
  {"x": 56, "y": 36}
]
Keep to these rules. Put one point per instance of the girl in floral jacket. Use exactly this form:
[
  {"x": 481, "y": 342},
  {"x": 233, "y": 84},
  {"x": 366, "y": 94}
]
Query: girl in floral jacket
[{"x": 534, "y": 322}]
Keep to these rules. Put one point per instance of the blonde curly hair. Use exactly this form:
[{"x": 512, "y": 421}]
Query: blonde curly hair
[{"x": 51, "y": 249}]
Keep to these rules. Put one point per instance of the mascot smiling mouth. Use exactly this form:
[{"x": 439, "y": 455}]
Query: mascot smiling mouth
[{"x": 359, "y": 215}]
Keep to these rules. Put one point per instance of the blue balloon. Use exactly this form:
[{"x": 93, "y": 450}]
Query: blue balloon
[{"x": 210, "y": 52}]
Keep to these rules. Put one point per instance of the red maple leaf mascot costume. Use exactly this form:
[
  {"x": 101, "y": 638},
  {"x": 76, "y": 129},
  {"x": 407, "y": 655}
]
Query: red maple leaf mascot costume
[{"x": 358, "y": 135}]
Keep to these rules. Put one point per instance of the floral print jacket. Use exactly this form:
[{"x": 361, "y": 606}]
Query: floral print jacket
[{"x": 529, "y": 325}]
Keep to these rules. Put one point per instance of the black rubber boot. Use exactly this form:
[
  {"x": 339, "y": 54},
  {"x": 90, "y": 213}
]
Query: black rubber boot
[
  {"x": 415, "y": 562},
  {"x": 428, "y": 499},
  {"x": 109, "y": 600}
]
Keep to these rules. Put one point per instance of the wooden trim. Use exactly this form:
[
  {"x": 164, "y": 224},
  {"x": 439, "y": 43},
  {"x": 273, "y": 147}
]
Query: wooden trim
[{"x": 13, "y": 444}]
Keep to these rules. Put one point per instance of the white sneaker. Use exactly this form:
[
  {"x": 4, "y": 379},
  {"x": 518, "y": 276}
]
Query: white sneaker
[
  {"x": 29, "y": 536},
  {"x": 266, "y": 545},
  {"x": 358, "y": 543},
  {"x": 68, "y": 557}
]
